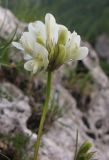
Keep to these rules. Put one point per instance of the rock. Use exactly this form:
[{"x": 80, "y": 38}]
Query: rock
[
  {"x": 97, "y": 115},
  {"x": 93, "y": 124},
  {"x": 14, "y": 111},
  {"x": 9, "y": 23},
  {"x": 91, "y": 62},
  {"x": 102, "y": 46},
  {"x": 59, "y": 142}
]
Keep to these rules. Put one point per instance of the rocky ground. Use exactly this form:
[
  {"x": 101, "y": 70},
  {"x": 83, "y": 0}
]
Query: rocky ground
[{"x": 79, "y": 103}]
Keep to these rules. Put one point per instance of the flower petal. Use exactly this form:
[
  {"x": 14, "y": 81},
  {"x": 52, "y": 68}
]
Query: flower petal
[
  {"x": 79, "y": 54},
  {"x": 63, "y": 35},
  {"x": 29, "y": 65},
  {"x": 38, "y": 48},
  {"x": 41, "y": 55},
  {"x": 27, "y": 56},
  {"x": 51, "y": 28},
  {"x": 75, "y": 39},
  {"x": 42, "y": 61},
  {"x": 61, "y": 56},
  {"x": 83, "y": 52},
  {"x": 17, "y": 45},
  {"x": 38, "y": 28},
  {"x": 27, "y": 41},
  {"x": 35, "y": 68}
]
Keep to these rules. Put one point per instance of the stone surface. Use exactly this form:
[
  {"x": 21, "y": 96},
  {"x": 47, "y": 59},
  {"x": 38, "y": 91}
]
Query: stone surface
[
  {"x": 14, "y": 111},
  {"x": 92, "y": 124},
  {"x": 102, "y": 46},
  {"x": 9, "y": 24},
  {"x": 97, "y": 115}
]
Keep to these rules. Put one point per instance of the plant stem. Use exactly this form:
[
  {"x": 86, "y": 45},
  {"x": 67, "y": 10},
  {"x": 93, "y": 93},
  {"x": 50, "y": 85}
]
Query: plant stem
[{"x": 45, "y": 107}]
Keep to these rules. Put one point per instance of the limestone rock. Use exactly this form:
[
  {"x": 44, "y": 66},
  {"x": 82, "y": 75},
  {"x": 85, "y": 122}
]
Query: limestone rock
[
  {"x": 9, "y": 24},
  {"x": 14, "y": 110},
  {"x": 93, "y": 124},
  {"x": 102, "y": 46}
]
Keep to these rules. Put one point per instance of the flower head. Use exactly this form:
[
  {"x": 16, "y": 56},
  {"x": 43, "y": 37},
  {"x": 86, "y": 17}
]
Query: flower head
[{"x": 49, "y": 45}]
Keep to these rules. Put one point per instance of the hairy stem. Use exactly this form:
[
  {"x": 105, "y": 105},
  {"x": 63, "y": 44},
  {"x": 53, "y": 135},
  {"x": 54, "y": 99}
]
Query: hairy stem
[{"x": 45, "y": 107}]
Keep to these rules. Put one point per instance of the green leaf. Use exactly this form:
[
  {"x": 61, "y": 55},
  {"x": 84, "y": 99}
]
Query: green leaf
[
  {"x": 83, "y": 153},
  {"x": 85, "y": 147}
]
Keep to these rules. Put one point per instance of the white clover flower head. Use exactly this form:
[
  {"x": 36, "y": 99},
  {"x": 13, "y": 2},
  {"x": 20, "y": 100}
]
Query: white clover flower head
[{"x": 48, "y": 46}]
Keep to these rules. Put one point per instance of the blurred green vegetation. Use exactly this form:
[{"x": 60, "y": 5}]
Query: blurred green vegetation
[
  {"x": 105, "y": 66},
  {"x": 14, "y": 150},
  {"x": 79, "y": 79},
  {"x": 84, "y": 152},
  {"x": 88, "y": 18}
]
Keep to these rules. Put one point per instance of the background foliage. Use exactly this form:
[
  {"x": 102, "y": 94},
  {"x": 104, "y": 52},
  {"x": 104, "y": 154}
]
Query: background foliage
[{"x": 88, "y": 18}]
